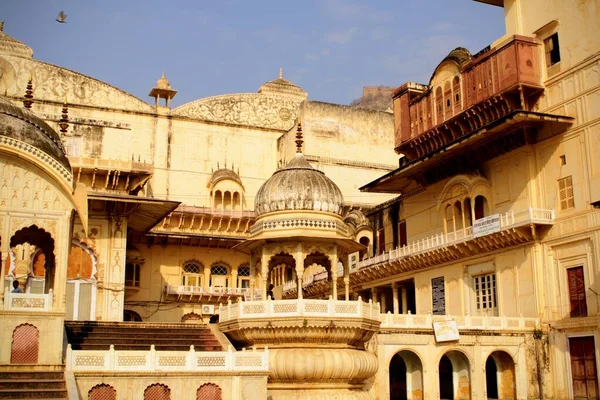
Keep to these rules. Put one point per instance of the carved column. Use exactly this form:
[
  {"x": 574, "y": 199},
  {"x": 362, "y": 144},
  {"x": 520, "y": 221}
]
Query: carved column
[
  {"x": 374, "y": 293},
  {"x": 234, "y": 280},
  {"x": 114, "y": 273},
  {"x": 264, "y": 271},
  {"x": 395, "y": 297},
  {"x": 334, "y": 272},
  {"x": 404, "y": 301},
  {"x": 346, "y": 278},
  {"x": 382, "y": 302},
  {"x": 61, "y": 260},
  {"x": 299, "y": 258},
  {"x": 5, "y": 249}
]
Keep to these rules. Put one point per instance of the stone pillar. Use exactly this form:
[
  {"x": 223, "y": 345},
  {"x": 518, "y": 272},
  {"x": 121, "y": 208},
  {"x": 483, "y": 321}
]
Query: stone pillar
[
  {"x": 395, "y": 296},
  {"x": 382, "y": 302},
  {"x": 206, "y": 276},
  {"x": 234, "y": 280},
  {"x": 404, "y": 301},
  {"x": 346, "y": 288},
  {"x": 61, "y": 261},
  {"x": 264, "y": 271},
  {"x": 299, "y": 258},
  {"x": 2, "y": 274},
  {"x": 5, "y": 249},
  {"x": 114, "y": 272},
  {"x": 252, "y": 275},
  {"x": 334, "y": 272},
  {"x": 374, "y": 295}
]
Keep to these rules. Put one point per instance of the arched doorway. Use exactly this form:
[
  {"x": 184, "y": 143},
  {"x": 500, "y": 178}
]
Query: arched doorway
[
  {"x": 131, "y": 316},
  {"x": 500, "y": 376},
  {"x": 42, "y": 266},
  {"x": 406, "y": 376},
  {"x": 454, "y": 376},
  {"x": 25, "y": 345}
]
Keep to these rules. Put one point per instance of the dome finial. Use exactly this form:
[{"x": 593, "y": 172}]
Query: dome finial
[
  {"x": 64, "y": 120},
  {"x": 28, "y": 101},
  {"x": 2, "y": 26},
  {"x": 299, "y": 140},
  {"x": 280, "y": 73}
]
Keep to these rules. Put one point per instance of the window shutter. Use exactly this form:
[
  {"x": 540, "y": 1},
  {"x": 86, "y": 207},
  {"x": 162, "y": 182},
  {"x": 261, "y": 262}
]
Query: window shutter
[{"x": 577, "y": 292}]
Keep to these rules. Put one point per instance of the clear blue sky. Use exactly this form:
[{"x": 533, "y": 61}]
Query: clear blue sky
[{"x": 331, "y": 48}]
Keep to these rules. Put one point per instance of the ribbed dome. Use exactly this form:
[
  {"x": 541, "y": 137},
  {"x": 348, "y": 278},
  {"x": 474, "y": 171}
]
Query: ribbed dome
[
  {"x": 21, "y": 124},
  {"x": 13, "y": 47},
  {"x": 298, "y": 186}
]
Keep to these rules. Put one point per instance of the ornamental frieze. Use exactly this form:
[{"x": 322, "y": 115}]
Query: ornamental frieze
[
  {"x": 249, "y": 109},
  {"x": 51, "y": 82}
]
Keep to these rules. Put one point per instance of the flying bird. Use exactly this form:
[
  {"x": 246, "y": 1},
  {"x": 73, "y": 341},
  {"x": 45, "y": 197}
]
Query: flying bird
[{"x": 62, "y": 18}]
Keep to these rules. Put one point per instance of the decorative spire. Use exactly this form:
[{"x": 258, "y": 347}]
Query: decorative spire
[
  {"x": 280, "y": 73},
  {"x": 29, "y": 93},
  {"x": 64, "y": 119},
  {"x": 2, "y": 26},
  {"x": 299, "y": 140}
]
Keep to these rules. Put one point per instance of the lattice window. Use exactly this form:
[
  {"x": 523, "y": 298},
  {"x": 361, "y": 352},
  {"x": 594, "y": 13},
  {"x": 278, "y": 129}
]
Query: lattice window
[
  {"x": 565, "y": 192},
  {"x": 244, "y": 271},
  {"x": 25, "y": 345},
  {"x": 192, "y": 273},
  {"x": 218, "y": 270},
  {"x": 208, "y": 391},
  {"x": 157, "y": 391},
  {"x": 485, "y": 293},
  {"x": 102, "y": 392}
]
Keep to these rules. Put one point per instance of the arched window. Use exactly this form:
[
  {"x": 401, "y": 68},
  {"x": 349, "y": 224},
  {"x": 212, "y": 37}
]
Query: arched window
[
  {"x": 244, "y": 276},
  {"x": 81, "y": 283},
  {"x": 102, "y": 392},
  {"x": 208, "y": 391},
  {"x": 157, "y": 391},
  {"x": 131, "y": 316},
  {"x": 218, "y": 275},
  {"x": 192, "y": 273}
]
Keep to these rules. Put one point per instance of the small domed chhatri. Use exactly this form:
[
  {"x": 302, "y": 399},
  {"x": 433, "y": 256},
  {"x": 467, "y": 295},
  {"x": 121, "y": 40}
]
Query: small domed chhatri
[
  {"x": 298, "y": 186},
  {"x": 13, "y": 47}
]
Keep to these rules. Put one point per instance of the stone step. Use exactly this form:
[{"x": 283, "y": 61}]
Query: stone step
[
  {"x": 31, "y": 375},
  {"x": 34, "y": 394},
  {"x": 136, "y": 335},
  {"x": 145, "y": 347},
  {"x": 22, "y": 384},
  {"x": 147, "y": 341}
]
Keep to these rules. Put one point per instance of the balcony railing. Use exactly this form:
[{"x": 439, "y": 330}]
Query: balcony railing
[
  {"x": 299, "y": 307},
  {"x": 176, "y": 361},
  {"x": 216, "y": 291},
  {"x": 507, "y": 221},
  {"x": 307, "y": 280},
  {"x": 27, "y": 301},
  {"x": 468, "y": 322}
]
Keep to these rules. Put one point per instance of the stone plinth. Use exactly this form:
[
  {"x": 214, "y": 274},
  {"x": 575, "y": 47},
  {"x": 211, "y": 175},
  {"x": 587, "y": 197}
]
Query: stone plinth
[{"x": 316, "y": 347}]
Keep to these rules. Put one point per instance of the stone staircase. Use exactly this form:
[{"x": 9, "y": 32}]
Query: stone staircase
[
  {"x": 27, "y": 382},
  {"x": 97, "y": 335}
]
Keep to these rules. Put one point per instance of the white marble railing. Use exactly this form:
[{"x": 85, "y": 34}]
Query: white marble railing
[
  {"x": 27, "y": 301},
  {"x": 308, "y": 280},
  {"x": 484, "y": 322},
  {"x": 299, "y": 307},
  {"x": 152, "y": 360},
  {"x": 217, "y": 291},
  {"x": 507, "y": 221}
]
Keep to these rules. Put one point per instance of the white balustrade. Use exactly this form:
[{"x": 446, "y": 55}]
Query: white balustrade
[
  {"x": 200, "y": 290},
  {"x": 469, "y": 322},
  {"x": 28, "y": 301},
  {"x": 152, "y": 360},
  {"x": 508, "y": 220},
  {"x": 338, "y": 309}
]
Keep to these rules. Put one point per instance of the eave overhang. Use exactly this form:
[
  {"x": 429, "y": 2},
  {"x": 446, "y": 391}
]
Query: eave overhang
[
  {"x": 142, "y": 213},
  {"x": 511, "y": 131}
]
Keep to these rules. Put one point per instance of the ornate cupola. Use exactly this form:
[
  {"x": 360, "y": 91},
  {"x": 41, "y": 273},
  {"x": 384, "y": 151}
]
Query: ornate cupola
[
  {"x": 162, "y": 90},
  {"x": 298, "y": 186}
]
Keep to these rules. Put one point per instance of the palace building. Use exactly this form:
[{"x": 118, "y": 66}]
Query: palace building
[{"x": 250, "y": 245}]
